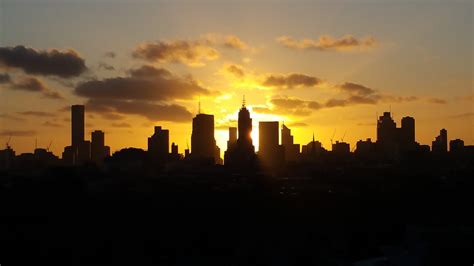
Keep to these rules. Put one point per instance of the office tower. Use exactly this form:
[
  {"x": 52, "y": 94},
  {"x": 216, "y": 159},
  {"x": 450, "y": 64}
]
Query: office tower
[
  {"x": 232, "y": 137},
  {"x": 98, "y": 148},
  {"x": 312, "y": 150},
  {"x": 456, "y": 146},
  {"x": 77, "y": 125},
  {"x": 269, "y": 151},
  {"x": 158, "y": 144},
  {"x": 386, "y": 129},
  {"x": 440, "y": 144},
  {"x": 174, "y": 149},
  {"x": 341, "y": 148},
  {"x": 291, "y": 150},
  {"x": 407, "y": 131},
  {"x": 245, "y": 126},
  {"x": 203, "y": 143},
  {"x": 242, "y": 155}
]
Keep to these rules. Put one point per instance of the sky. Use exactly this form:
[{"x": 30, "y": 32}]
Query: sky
[{"x": 322, "y": 67}]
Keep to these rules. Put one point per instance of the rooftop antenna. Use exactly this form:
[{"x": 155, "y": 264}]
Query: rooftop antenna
[
  {"x": 243, "y": 101},
  {"x": 313, "y": 136},
  {"x": 36, "y": 143}
]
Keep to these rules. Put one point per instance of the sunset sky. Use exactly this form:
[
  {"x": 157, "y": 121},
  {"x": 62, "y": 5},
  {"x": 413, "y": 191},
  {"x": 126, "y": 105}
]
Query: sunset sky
[{"x": 319, "y": 66}]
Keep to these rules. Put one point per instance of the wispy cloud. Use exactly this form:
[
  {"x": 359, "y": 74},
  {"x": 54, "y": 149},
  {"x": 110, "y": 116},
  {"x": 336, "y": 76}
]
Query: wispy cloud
[{"x": 329, "y": 43}]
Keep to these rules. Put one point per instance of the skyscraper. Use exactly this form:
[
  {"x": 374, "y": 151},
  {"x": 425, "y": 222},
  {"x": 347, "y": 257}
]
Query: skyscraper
[
  {"x": 242, "y": 155},
  {"x": 203, "y": 143},
  {"x": 158, "y": 144},
  {"x": 407, "y": 134},
  {"x": 291, "y": 150},
  {"x": 386, "y": 129},
  {"x": 440, "y": 144},
  {"x": 268, "y": 142},
  {"x": 77, "y": 125},
  {"x": 98, "y": 149},
  {"x": 232, "y": 137}
]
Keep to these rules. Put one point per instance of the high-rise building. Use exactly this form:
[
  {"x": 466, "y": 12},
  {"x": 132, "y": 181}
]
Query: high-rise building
[
  {"x": 232, "y": 137},
  {"x": 269, "y": 153},
  {"x": 242, "y": 155},
  {"x": 440, "y": 144},
  {"x": 386, "y": 129},
  {"x": 291, "y": 150},
  {"x": 407, "y": 131},
  {"x": 203, "y": 143},
  {"x": 341, "y": 148},
  {"x": 456, "y": 146},
  {"x": 77, "y": 125},
  {"x": 158, "y": 144},
  {"x": 98, "y": 149}
]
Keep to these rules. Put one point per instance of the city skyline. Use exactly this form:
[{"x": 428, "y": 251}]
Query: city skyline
[{"x": 336, "y": 77}]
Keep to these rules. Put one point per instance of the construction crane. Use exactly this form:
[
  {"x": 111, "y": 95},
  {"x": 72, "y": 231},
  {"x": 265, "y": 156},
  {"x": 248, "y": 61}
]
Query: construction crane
[
  {"x": 8, "y": 142},
  {"x": 343, "y": 136},
  {"x": 49, "y": 146},
  {"x": 333, "y": 134}
]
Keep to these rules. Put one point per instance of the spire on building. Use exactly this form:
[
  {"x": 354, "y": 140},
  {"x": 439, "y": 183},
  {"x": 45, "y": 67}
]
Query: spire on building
[{"x": 243, "y": 101}]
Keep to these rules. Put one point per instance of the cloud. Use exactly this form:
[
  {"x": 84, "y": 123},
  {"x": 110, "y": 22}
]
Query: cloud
[
  {"x": 288, "y": 106},
  {"x": 112, "y": 116},
  {"x": 110, "y": 54},
  {"x": 145, "y": 83},
  {"x": 462, "y": 115},
  {"x": 234, "y": 42},
  {"x": 4, "y": 78},
  {"x": 123, "y": 124},
  {"x": 437, "y": 101},
  {"x": 17, "y": 133},
  {"x": 64, "y": 64},
  {"x": 235, "y": 70},
  {"x": 151, "y": 111},
  {"x": 329, "y": 43},
  {"x": 357, "y": 89},
  {"x": 37, "y": 113},
  {"x": 105, "y": 66},
  {"x": 297, "y": 124},
  {"x": 52, "y": 124},
  {"x": 192, "y": 53},
  {"x": 11, "y": 117},
  {"x": 290, "y": 81},
  {"x": 32, "y": 84}
]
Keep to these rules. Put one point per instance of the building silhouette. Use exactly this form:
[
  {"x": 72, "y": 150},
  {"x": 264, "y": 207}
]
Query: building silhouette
[
  {"x": 456, "y": 146},
  {"x": 290, "y": 149},
  {"x": 203, "y": 143},
  {"x": 232, "y": 137},
  {"x": 440, "y": 144},
  {"x": 158, "y": 144},
  {"x": 98, "y": 149},
  {"x": 270, "y": 153},
  {"x": 80, "y": 150},
  {"x": 393, "y": 142},
  {"x": 242, "y": 154},
  {"x": 312, "y": 151},
  {"x": 341, "y": 149}
]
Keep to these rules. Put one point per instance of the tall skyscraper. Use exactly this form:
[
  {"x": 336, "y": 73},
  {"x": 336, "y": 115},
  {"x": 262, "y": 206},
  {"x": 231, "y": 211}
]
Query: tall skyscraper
[
  {"x": 407, "y": 133},
  {"x": 77, "y": 125},
  {"x": 291, "y": 150},
  {"x": 232, "y": 137},
  {"x": 243, "y": 153},
  {"x": 158, "y": 144},
  {"x": 203, "y": 143},
  {"x": 269, "y": 152},
  {"x": 386, "y": 129}
]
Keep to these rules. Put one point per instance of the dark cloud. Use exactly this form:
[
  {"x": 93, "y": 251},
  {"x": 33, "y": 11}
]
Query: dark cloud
[
  {"x": 297, "y": 124},
  {"x": 235, "y": 70},
  {"x": 5, "y": 78},
  {"x": 37, "y": 113},
  {"x": 356, "y": 89},
  {"x": 151, "y": 111},
  {"x": 64, "y": 64},
  {"x": 290, "y": 81},
  {"x": 288, "y": 106},
  {"x": 105, "y": 66},
  {"x": 11, "y": 117},
  {"x": 17, "y": 133},
  {"x": 32, "y": 84},
  {"x": 462, "y": 115},
  {"x": 194, "y": 53},
  {"x": 328, "y": 43},
  {"x": 146, "y": 83}
]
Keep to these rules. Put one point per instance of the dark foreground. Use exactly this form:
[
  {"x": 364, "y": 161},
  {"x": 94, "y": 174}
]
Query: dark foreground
[{"x": 81, "y": 216}]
